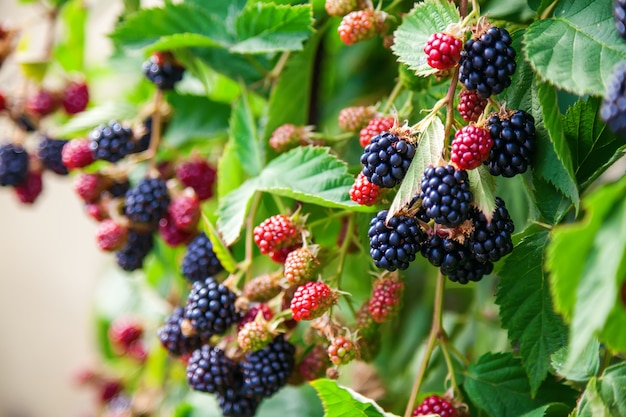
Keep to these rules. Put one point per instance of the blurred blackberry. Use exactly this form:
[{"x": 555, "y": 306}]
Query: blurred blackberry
[
  {"x": 234, "y": 404},
  {"x": 162, "y": 70},
  {"x": 111, "y": 142},
  {"x": 25, "y": 122},
  {"x": 147, "y": 202},
  {"x": 143, "y": 143},
  {"x": 386, "y": 159},
  {"x": 211, "y": 308},
  {"x": 446, "y": 195},
  {"x": 210, "y": 370},
  {"x": 470, "y": 270},
  {"x": 265, "y": 371},
  {"x": 491, "y": 240},
  {"x": 138, "y": 246},
  {"x": 200, "y": 261},
  {"x": 393, "y": 246},
  {"x": 49, "y": 153},
  {"x": 613, "y": 110},
  {"x": 448, "y": 254},
  {"x": 118, "y": 188},
  {"x": 488, "y": 63},
  {"x": 13, "y": 165},
  {"x": 513, "y": 143},
  {"x": 173, "y": 339},
  {"x": 619, "y": 11}
]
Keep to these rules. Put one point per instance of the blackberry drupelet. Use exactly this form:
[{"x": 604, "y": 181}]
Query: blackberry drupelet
[
  {"x": 13, "y": 165},
  {"x": 234, "y": 403},
  {"x": 147, "y": 202},
  {"x": 487, "y": 63},
  {"x": 613, "y": 110},
  {"x": 470, "y": 270},
  {"x": 446, "y": 195},
  {"x": 393, "y": 246},
  {"x": 446, "y": 253},
  {"x": 619, "y": 11},
  {"x": 267, "y": 370},
  {"x": 138, "y": 245},
  {"x": 491, "y": 240},
  {"x": 200, "y": 261},
  {"x": 50, "y": 154},
  {"x": 210, "y": 370},
  {"x": 162, "y": 70},
  {"x": 386, "y": 159},
  {"x": 173, "y": 339},
  {"x": 211, "y": 308},
  {"x": 111, "y": 142},
  {"x": 513, "y": 143}
]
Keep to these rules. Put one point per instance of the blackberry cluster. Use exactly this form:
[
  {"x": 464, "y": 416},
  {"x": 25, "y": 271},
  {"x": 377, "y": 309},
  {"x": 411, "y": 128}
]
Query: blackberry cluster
[
  {"x": 488, "y": 63},
  {"x": 448, "y": 254},
  {"x": 613, "y": 110},
  {"x": 147, "y": 202},
  {"x": 200, "y": 261},
  {"x": 173, "y": 339},
  {"x": 491, "y": 240},
  {"x": 234, "y": 404},
  {"x": 446, "y": 195},
  {"x": 513, "y": 143},
  {"x": 266, "y": 371},
  {"x": 138, "y": 245},
  {"x": 386, "y": 159},
  {"x": 211, "y": 308},
  {"x": 470, "y": 270},
  {"x": 49, "y": 153},
  {"x": 393, "y": 245},
  {"x": 619, "y": 11},
  {"x": 111, "y": 142},
  {"x": 13, "y": 165},
  {"x": 162, "y": 71},
  {"x": 210, "y": 370}
]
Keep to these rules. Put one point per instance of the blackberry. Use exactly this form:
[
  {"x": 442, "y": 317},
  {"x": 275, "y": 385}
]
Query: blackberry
[
  {"x": 470, "y": 270},
  {"x": 619, "y": 11},
  {"x": 446, "y": 253},
  {"x": 118, "y": 188},
  {"x": 386, "y": 159},
  {"x": 446, "y": 195},
  {"x": 143, "y": 143},
  {"x": 138, "y": 245},
  {"x": 50, "y": 154},
  {"x": 200, "y": 261},
  {"x": 491, "y": 240},
  {"x": 173, "y": 339},
  {"x": 210, "y": 370},
  {"x": 234, "y": 404},
  {"x": 265, "y": 371},
  {"x": 162, "y": 70},
  {"x": 147, "y": 202},
  {"x": 110, "y": 142},
  {"x": 393, "y": 245},
  {"x": 613, "y": 107},
  {"x": 13, "y": 165},
  {"x": 210, "y": 308},
  {"x": 513, "y": 143},
  {"x": 487, "y": 63}
]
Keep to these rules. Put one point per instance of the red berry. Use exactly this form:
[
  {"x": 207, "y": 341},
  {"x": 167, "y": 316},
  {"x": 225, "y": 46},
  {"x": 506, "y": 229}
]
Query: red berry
[
  {"x": 109, "y": 390},
  {"x": 171, "y": 234},
  {"x": 77, "y": 154},
  {"x": 314, "y": 364},
  {"x": 28, "y": 191},
  {"x": 3, "y": 102},
  {"x": 184, "y": 211},
  {"x": 123, "y": 332},
  {"x": 386, "y": 298},
  {"x": 375, "y": 127},
  {"x": 340, "y": 7},
  {"x": 443, "y": 50},
  {"x": 470, "y": 147},
  {"x": 75, "y": 97},
  {"x": 277, "y": 236},
  {"x": 353, "y": 119},
  {"x": 435, "y": 405},
  {"x": 289, "y": 136},
  {"x": 89, "y": 186},
  {"x": 199, "y": 175},
  {"x": 111, "y": 235},
  {"x": 364, "y": 192},
  {"x": 360, "y": 26},
  {"x": 471, "y": 105},
  {"x": 342, "y": 350},
  {"x": 251, "y": 314},
  {"x": 301, "y": 266},
  {"x": 42, "y": 103},
  {"x": 96, "y": 211},
  {"x": 311, "y": 300},
  {"x": 137, "y": 351}
]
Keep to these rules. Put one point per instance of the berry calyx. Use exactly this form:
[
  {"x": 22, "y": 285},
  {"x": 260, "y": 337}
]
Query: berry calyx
[
  {"x": 470, "y": 147},
  {"x": 443, "y": 50},
  {"x": 514, "y": 140},
  {"x": 75, "y": 97},
  {"x": 301, "y": 266},
  {"x": 277, "y": 236},
  {"x": 446, "y": 195},
  {"x": 364, "y": 192},
  {"x": 311, "y": 300},
  {"x": 471, "y": 105},
  {"x": 375, "y": 127},
  {"x": 386, "y": 298},
  {"x": 77, "y": 154},
  {"x": 360, "y": 25},
  {"x": 199, "y": 175},
  {"x": 435, "y": 405},
  {"x": 342, "y": 350},
  {"x": 253, "y": 312},
  {"x": 393, "y": 245},
  {"x": 386, "y": 159},
  {"x": 111, "y": 235},
  {"x": 353, "y": 119}
]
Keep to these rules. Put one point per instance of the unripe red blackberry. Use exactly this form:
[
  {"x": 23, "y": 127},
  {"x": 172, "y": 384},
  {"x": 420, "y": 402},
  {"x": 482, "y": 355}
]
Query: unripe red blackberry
[
  {"x": 28, "y": 190},
  {"x": 77, "y": 154},
  {"x": 443, "y": 50},
  {"x": 360, "y": 25},
  {"x": 89, "y": 186},
  {"x": 393, "y": 245},
  {"x": 289, "y": 136},
  {"x": 42, "y": 103},
  {"x": 470, "y": 147},
  {"x": 446, "y": 195},
  {"x": 311, "y": 300},
  {"x": 163, "y": 70},
  {"x": 253, "y": 312},
  {"x": 111, "y": 235},
  {"x": 200, "y": 261},
  {"x": 340, "y": 7},
  {"x": 513, "y": 143},
  {"x": 96, "y": 211},
  {"x": 254, "y": 335},
  {"x": 613, "y": 111},
  {"x": 314, "y": 364},
  {"x": 210, "y": 370},
  {"x": 435, "y": 405},
  {"x": 138, "y": 246},
  {"x": 301, "y": 266},
  {"x": 353, "y": 119},
  {"x": 211, "y": 308},
  {"x": 49, "y": 153},
  {"x": 386, "y": 159},
  {"x": 199, "y": 175},
  {"x": 375, "y": 127},
  {"x": 109, "y": 390},
  {"x": 13, "y": 165},
  {"x": 75, "y": 97},
  {"x": 386, "y": 298},
  {"x": 111, "y": 142},
  {"x": 173, "y": 339},
  {"x": 184, "y": 211},
  {"x": 342, "y": 350},
  {"x": 471, "y": 105},
  {"x": 147, "y": 201},
  {"x": 171, "y": 234},
  {"x": 619, "y": 12},
  {"x": 491, "y": 239},
  {"x": 276, "y": 236},
  {"x": 364, "y": 192},
  {"x": 262, "y": 288},
  {"x": 123, "y": 332},
  {"x": 368, "y": 331},
  {"x": 265, "y": 371}
]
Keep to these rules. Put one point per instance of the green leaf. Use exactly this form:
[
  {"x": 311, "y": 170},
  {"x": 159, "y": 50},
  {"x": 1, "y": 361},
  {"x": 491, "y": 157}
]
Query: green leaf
[
  {"x": 195, "y": 117},
  {"x": 526, "y": 308},
  {"x": 431, "y": 16},
  {"x": 483, "y": 187},
  {"x": 314, "y": 176},
  {"x": 577, "y": 49},
  {"x": 219, "y": 247},
  {"x": 181, "y": 40},
  {"x": 267, "y": 27},
  {"x": 581, "y": 371},
  {"x": 217, "y": 87},
  {"x": 230, "y": 173},
  {"x": 69, "y": 51},
  {"x": 429, "y": 152},
  {"x": 87, "y": 120},
  {"x": 549, "y": 410},
  {"x": 605, "y": 396},
  {"x": 246, "y": 143},
  {"x": 343, "y": 402}
]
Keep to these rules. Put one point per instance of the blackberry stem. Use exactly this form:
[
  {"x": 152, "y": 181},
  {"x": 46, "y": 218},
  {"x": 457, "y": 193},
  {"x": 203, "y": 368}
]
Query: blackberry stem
[
  {"x": 443, "y": 344},
  {"x": 450, "y": 111},
  {"x": 155, "y": 135}
]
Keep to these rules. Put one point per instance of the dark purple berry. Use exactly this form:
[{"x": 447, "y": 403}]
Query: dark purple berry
[
  {"x": 13, "y": 165},
  {"x": 50, "y": 154},
  {"x": 491, "y": 240},
  {"x": 172, "y": 338},
  {"x": 111, "y": 142},
  {"x": 200, "y": 261},
  {"x": 619, "y": 11},
  {"x": 210, "y": 370},
  {"x": 265, "y": 371},
  {"x": 613, "y": 110},
  {"x": 386, "y": 159},
  {"x": 162, "y": 70},
  {"x": 393, "y": 245},
  {"x": 147, "y": 202},
  {"x": 138, "y": 246},
  {"x": 446, "y": 195},
  {"x": 211, "y": 308},
  {"x": 513, "y": 143}
]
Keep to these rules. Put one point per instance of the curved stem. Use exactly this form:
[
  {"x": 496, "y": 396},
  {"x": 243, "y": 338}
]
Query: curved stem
[
  {"x": 343, "y": 251},
  {"x": 155, "y": 137},
  {"x": 450, "y": 108},
  {"x": 443, "y": 344},
  {"x": 392, "y": 97}
]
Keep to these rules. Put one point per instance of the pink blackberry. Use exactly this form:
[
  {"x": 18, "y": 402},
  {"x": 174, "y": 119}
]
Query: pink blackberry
[
  {"x": 124, "y": 332},
  {"x": 340, "y": 7},
  {"x": 199, "y": 175},
  {"x": 77, "y": 154},
  {"x": 42, "y": 103},
  {"x": 111, "y": 235},
  {"x": 289, "y": 136},
  {"x": 435, "y": 405},
  {"x": 28, "y": 190},
  {"x": 375, "y": 127},
  {"x": 443, "y": 50},
  {"x": 89, "y": 186},
  {"x": 311, "y": 300},
  {"x": 386, "y": 298},
  {"x": 353, "y": 119},
  {"x": 184, "y": 211},
  {"x": 171, "y": 234},
  {"x": 471, "y": 105},
  {"x": 75, "y": 97},
  {"x": 470, "y": 147}
]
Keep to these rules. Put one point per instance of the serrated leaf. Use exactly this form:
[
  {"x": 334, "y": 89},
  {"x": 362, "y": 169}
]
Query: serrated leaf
[
  {"x": 549, "y": 410},
  {"x": 429, "y": 152},
  {"x": 219, "y": 247},
  {"x": 88, "y": 119},
  {"x": 69, "y": 51},
  {"x": 314, "y": 176},
  {"x": 343, "y": 402},
  {"x": 195, "y": 117},
  {"x": 217, "y": 87},
  {"x": 267, "y": 27},
  {"x": 577, "y": 48},
  {"x": 181, "y": 40},
  {"x": 230, "y": 173},
  {"x": 245, "y": 139},
  {"x": 581, "y": 371},
  {"x": 431, "y": 16},
  {"x": 605, "y": 396},
  {"x": 483, "y": 188}
]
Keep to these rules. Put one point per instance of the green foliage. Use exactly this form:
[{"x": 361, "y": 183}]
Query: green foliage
[
  {"x": 339, "y": 401},
  {"x": 606, "y": 395}
]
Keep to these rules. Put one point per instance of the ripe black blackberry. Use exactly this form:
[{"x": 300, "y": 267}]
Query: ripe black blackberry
[
  {"x": 147, "y": 202},
  {"x": 210, "y": 370},
  {"x": 111, "y": 142},
  {"x": 446, "y": 195},
  {"x": 491, "y": 240},
  {"x": 488, "y": 62},
  {"x": 138, "y": 246},
  {"x": 470, "y": 270},
  {"x": 513, "y": 143},
  {"x": 386, "y": 159},
  {"x": 613, "y": 110},
  {"x": 393, "y": 246},
  {"x": 619, "y": 11},
  {"x": 49, "y": 153},
  {"x": 266, "y": 371},
  {"x": 162, "y": 70},
  {"x": 143, "y": 143},
  {"x": 13, "y": 165},
  {"x": 234, "y": 403},
  {"x": 200, "y": 261},
  {"x": 446, "y": 253},
  {"x": 211, "y": 308},
  {"x": 173, "y": 339},
  {"x": 118, "y": 188}
]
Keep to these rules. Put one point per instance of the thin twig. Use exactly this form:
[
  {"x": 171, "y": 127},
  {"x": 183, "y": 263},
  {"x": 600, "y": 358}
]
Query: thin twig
[{"x": 155, "y": 135}]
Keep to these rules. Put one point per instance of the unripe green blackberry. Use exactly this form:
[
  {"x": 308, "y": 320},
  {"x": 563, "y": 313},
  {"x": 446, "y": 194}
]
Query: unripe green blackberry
[
  {"x": 342, "y": 350},
  {"x": 254, "y": 335},
  {"x": 301, "y": 266}
]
